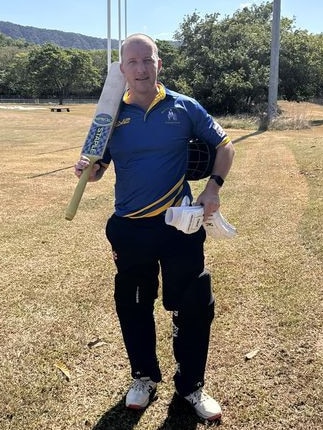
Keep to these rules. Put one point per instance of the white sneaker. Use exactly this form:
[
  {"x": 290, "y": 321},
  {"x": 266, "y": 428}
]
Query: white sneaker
[
  {"x": 140, "y": 392},
  {"x": 205, "y": 407}
]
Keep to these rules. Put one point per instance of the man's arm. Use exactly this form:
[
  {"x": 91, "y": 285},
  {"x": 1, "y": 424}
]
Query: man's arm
[{"x": 209, "y": 198}]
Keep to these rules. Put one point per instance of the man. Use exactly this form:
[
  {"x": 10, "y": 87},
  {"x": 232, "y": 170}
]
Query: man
[{"x": 149, "y": 152}]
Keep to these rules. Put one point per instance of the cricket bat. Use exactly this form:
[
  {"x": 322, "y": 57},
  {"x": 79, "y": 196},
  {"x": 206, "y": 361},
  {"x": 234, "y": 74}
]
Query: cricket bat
[{"x": 100, "y": 131}]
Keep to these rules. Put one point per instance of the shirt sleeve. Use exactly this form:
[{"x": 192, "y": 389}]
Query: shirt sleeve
[{"x": 205, "y": 127}]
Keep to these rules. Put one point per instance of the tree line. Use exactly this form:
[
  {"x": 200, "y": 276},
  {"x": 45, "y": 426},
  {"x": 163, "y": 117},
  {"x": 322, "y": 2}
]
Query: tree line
[{"x": 223, "y": 63}]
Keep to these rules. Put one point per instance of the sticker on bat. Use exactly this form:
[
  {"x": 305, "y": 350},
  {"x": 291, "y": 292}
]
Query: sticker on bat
[{"x": 103, "y": 119}]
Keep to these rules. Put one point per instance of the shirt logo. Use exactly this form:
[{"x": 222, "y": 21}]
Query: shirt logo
[
  {"x": 218, "y": 129},
  {"x": 172, "y": 116},
  {"x": 124, "y": 121}
]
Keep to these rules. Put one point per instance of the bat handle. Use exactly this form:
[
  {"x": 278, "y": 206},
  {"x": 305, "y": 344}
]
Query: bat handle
[{"x": 78, "y": 192}]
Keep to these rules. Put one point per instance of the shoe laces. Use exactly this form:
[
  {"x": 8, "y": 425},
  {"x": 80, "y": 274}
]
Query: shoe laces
[
  {"x": 141, "y": 384},
  {"x": 198, "y": 396}
]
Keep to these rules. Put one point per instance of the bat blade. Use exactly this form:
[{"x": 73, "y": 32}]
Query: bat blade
[{"x": 100, "y": 131}]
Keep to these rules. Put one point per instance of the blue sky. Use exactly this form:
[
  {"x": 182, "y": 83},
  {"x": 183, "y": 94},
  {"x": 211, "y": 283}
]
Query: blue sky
[{"x": 158, "y": 18}]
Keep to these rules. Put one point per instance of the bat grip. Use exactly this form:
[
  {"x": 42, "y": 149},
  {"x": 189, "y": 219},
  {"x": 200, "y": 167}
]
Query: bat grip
[{"x": 78, "y": 192}]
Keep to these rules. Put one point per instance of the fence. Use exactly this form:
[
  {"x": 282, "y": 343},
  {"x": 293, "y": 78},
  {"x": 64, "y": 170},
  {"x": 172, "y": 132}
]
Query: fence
[{"x": 47, "y": 101}]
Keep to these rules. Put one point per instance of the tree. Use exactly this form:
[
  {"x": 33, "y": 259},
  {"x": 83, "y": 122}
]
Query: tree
[
  {"x": 15, "y": 78},
  {"x": 59, "y": 72},
  {"x": 301, "y": 65},
  {"x": 227, "y": 61},
  {"x": 13, "y": 55},
  {"x": 100, "y": 61},
  {"x": 170, "y": 57}
]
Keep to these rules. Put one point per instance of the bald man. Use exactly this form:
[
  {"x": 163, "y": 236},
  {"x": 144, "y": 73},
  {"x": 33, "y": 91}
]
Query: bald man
[{"x": 149, "y": 152}]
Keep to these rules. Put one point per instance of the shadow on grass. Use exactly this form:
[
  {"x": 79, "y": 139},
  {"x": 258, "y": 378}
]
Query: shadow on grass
[
  {"x": 255, "y": 133},
  {"x": 316, "y": 122},
  {"x": 119, "y": 418},
  {"x": 180, "y": 415}
]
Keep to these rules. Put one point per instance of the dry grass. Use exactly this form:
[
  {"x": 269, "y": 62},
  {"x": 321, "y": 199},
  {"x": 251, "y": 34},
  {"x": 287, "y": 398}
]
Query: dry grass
[
  {"x": 57, "y": 287},
  {"x": 242, "y": 122},
  {"x": 291, "y": 116}
]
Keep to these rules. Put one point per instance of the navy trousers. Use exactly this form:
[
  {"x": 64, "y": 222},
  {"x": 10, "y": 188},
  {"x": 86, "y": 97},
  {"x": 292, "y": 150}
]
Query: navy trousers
[{"x": 146, "y": 250}]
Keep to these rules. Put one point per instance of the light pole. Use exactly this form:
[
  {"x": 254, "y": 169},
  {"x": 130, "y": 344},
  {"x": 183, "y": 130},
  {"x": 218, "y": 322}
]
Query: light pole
[
  {"x": 109, "y": 34},
  {"x": 125, "y": 19},
  {"x": 109, "y": 16},
  {"x": 119, "y": 25},
  {"x": 274, "y": 62}
]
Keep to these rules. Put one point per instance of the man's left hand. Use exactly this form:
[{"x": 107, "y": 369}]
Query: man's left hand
[{"x": 209, "y": 199}]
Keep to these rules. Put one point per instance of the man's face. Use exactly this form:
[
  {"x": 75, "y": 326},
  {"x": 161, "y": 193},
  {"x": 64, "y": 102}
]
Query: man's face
[{"x": 140, "y": 65}]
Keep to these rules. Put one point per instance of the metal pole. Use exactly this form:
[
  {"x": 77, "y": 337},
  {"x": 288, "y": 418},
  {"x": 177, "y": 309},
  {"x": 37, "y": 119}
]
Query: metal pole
[
  {"x": 125, "y": 19},
  {"x": 274, "y": 62},
  {"x": 119, "y": 26},
  {"x": 108, "y": 34},
  {"x": 109, "y": 47}
]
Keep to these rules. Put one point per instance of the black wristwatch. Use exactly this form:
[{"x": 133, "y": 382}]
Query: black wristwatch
[{"x": 218, "y": 180}]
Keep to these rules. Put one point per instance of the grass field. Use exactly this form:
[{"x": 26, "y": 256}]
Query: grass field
[{"x": 63, "y": 365}]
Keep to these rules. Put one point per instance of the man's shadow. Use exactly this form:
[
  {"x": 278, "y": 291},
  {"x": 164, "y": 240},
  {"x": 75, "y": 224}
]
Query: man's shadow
[
  {"x": 180, "y": 415},
  {"x": 119, "y": 418}
]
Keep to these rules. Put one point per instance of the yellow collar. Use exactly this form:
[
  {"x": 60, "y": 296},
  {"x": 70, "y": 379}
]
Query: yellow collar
[{"x": 159, "y": 96}]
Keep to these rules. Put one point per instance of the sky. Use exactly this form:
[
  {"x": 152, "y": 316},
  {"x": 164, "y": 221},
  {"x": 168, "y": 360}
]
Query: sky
[{"x": 157, "y": 18}]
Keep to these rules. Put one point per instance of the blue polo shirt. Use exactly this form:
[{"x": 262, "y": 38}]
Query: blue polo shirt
[{"x": 149, "y": 152}]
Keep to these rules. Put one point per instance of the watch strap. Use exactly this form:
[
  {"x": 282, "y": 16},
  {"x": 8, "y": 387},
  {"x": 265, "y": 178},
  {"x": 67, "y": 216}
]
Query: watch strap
[{"x": 218, "y": 180}]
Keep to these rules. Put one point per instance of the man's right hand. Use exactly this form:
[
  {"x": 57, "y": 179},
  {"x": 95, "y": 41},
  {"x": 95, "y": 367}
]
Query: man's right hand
[{"x": 82, "y": 164}]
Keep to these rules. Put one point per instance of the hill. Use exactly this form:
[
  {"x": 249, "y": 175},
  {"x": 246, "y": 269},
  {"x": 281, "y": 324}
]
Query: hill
[{"x": 40, "y": 36}]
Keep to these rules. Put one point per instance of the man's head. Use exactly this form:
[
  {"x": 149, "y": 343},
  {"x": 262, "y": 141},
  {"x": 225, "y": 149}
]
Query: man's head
[
  {"x": 140, "y": 62},
  {"x": 139, "y": 38}
]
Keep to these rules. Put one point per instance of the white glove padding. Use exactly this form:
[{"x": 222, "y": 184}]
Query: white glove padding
[
  {"x": 189, "y": 219},
  {"x": 218, "y": 227}
]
